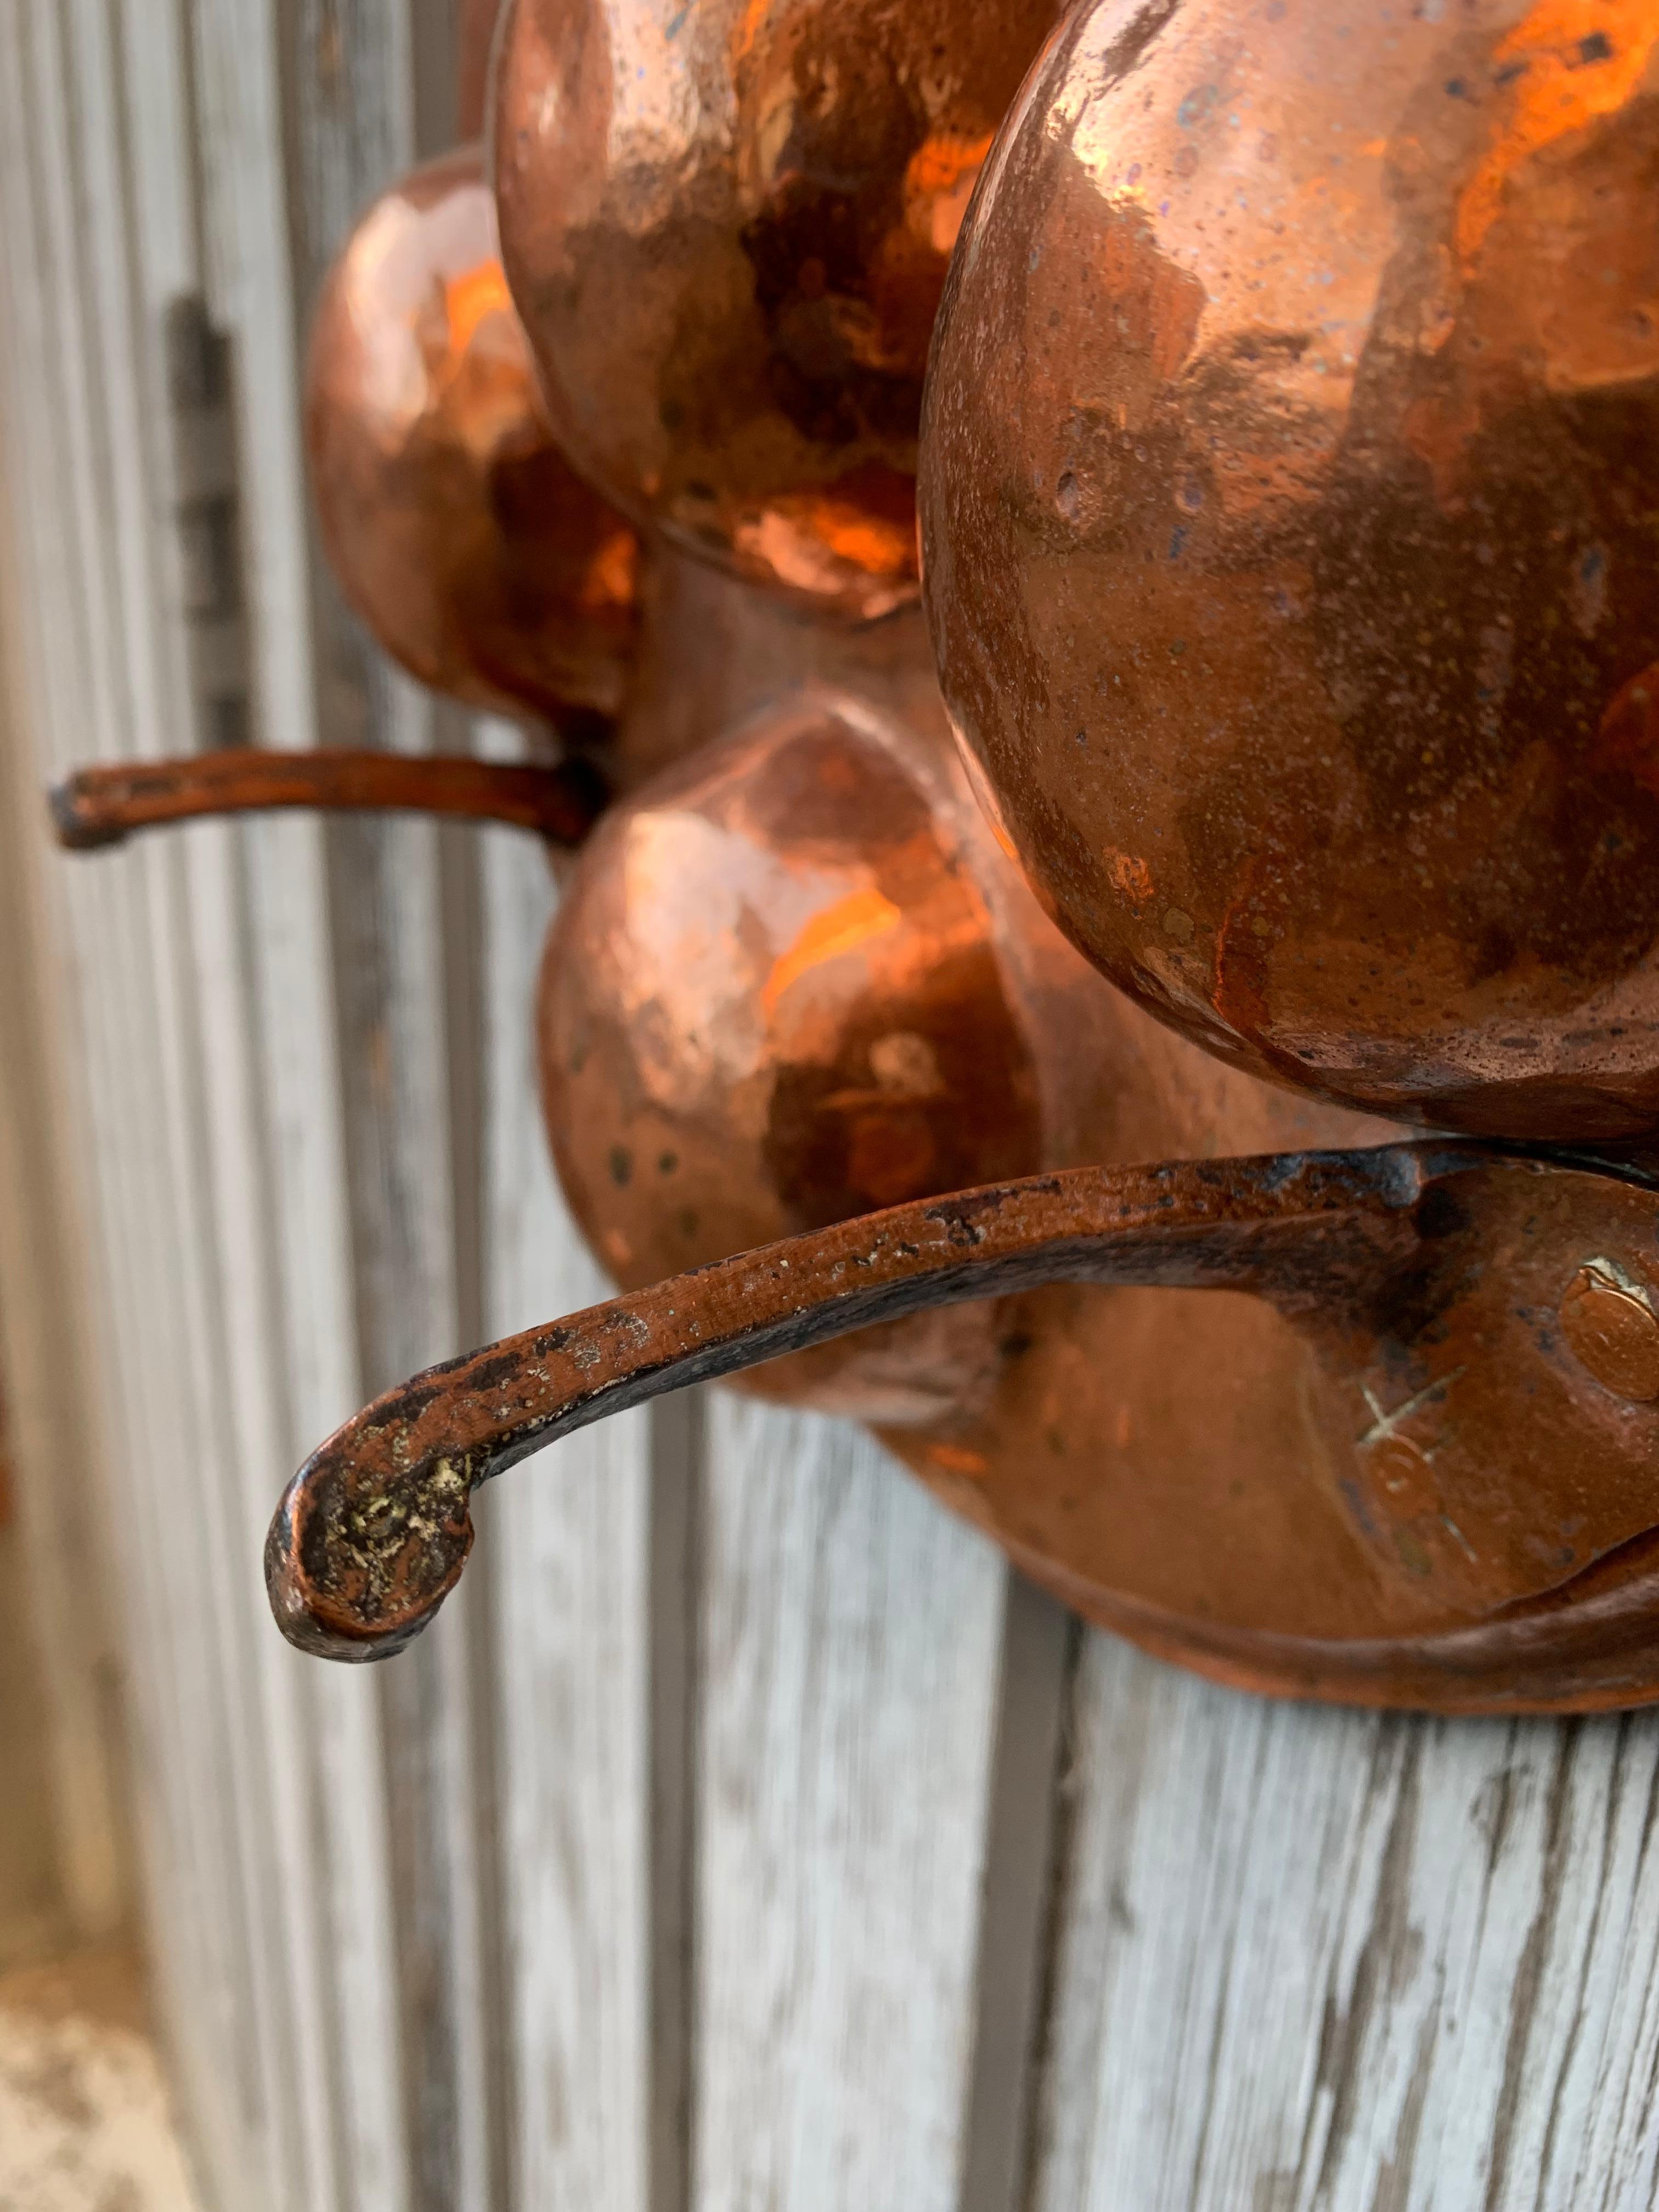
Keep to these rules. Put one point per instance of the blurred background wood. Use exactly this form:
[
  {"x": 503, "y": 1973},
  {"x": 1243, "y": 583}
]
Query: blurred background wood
[{"x": 736, "y": 1839}]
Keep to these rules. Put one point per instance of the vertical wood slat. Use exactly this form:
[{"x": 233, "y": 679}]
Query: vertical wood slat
[
  {"x": 569, "y": 1556},
  {"x": 1315, "y": 1959},
  {"x": 845, "y": 1718},
  {"x": 259, "y": 2027},
  {"x": 49, "y": 1439},
  {"x": 62, "y": 497},
  {"x": 355, "y": 2123},
  {"x": 352, "y": 100}
]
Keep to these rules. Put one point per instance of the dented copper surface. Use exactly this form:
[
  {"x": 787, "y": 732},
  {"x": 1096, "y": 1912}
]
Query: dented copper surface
[
  {"x": 1289, "y": 483},
  {"x": 771, "y": 1000},
  {"x": 796, "y": 979},
  {"x": 455, "y": 525},
  {"x": 726, "y": 227}
]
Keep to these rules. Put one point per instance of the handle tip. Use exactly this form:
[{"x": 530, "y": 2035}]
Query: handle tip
[
  {"x": 78, "y": 821},
  {"x": 357, "y": 1578}
]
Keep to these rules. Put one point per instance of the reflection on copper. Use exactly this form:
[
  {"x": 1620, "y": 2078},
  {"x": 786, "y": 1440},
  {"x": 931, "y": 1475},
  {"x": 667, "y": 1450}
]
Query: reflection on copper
[
  {"x": 772, "y": 999},
  {"x": 796, "y": 979},
  {"x": 1288, "y": 494},
  {"x": 727, "y": 230},
  {"x": 455, "y": 525}
]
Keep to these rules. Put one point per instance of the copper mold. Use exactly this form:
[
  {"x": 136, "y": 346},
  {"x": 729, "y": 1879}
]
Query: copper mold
[
  {"x": 457, "y": 529},
  {"x": 1288, "y": 487},
  {"x": 1287, "y": 475},
  {"x": 1425, "y": 1280},
  {"x": 726, "y": 229}
]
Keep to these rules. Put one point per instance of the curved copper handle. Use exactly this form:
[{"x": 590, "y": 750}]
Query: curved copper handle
[
  {"x": 100, "y": 806},
  {"x": 374, "y": 1529}
]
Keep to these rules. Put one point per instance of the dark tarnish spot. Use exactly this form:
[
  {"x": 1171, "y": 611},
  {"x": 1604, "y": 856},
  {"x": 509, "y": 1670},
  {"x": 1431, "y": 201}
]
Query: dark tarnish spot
[
  {"x": 959, "y": 1218},
  {"x": 1284, "y": 1168},
  {"x": 488, "y": 1372},
  {"x": 407, "y": 1404},
  {"x": 956, "y": 1224},
  {"x": 1129, "y": 49},
  {"x": 378, "y": 1550},
  {"x": 1440, "y": 1213},
  {"x": 555, "y": 1339},
  {"x": 622, "y": 1166}
]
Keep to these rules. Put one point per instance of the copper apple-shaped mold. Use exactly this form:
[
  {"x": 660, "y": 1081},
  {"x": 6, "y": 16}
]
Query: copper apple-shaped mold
[
  {"x": 1289, "y": 474},
  {"x": 454, "y": 523},
  {"x": 775, "y": 997},
  {"x": 726, "y": 227},
  {"x": 796, "y": 979},
  {"x": 1340, "y": 860}
]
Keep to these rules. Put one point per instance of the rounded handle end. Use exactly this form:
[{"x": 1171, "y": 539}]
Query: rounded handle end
[
  {"x": 357, "y": 1577},
  {"x": 80, "y": 824}
]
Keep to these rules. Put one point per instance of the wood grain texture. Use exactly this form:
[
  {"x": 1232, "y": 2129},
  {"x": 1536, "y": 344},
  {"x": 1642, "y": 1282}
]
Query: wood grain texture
[
  {"x": 568, "y": 1557},
  {"x": 85, "y": 496},
  {"x": 351, "y": 110},
  {"x": 849, "y": 1635},
  {"x": 1312, "y": 1958},
  {"x": 65, "y": 1873}
]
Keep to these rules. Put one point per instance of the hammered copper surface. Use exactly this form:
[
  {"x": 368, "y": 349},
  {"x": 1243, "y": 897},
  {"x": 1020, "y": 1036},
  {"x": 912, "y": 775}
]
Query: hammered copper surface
[
  {"x": 1423, "y": 1279},
  {"x": 726, "y": 227},
  {"x": 771, "y": 1000},
  {"x": 1290, "y": 486},
  {"x": 456, "y": 527},
  {"x": 797, "y": 980}
]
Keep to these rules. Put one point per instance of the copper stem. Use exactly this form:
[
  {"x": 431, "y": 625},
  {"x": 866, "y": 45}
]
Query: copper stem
[
  {"x": 375, "y": 1528},
  {"x": 99, "y": 806}
]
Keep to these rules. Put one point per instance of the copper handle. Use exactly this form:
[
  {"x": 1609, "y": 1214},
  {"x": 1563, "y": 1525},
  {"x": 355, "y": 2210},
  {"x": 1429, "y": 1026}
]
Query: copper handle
[
  {"x": 374, "y": 1529},
  {"x": 99, "y": 806}
]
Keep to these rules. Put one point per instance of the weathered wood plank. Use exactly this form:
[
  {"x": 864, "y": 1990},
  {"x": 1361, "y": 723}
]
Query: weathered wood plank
[
  {"x": 850, "y": 1633},
  {"x": 57, "y": 1550},
  {"x": 569, "y": 1549},
  {"x": 1322, "y": 1960},
  {"x": 361, "y": 2140},
  {"x": 83, "y": 526}
]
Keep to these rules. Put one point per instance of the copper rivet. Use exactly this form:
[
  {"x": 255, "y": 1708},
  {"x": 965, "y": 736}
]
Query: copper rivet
[{"x": 1614, "y": 1332}]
